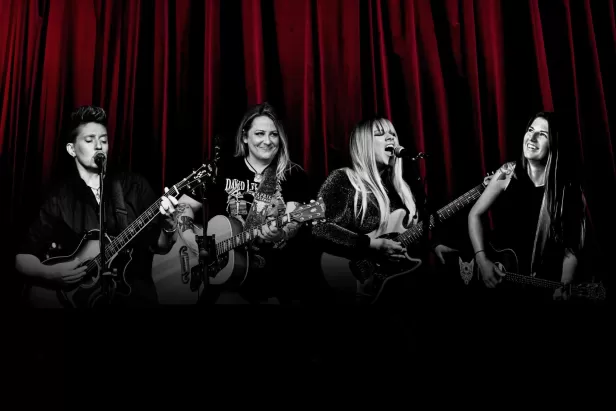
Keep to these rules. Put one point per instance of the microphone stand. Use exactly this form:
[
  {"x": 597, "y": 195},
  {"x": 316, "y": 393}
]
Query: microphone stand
[
  {"x": 207, "y": 248},
  {"x": 199, "y": 274},
  {"x": 105, "y": 273},
  {"x": 428, "y": 218}
]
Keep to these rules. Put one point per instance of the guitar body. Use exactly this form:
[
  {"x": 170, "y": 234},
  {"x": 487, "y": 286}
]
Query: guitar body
[
  {"x": 175, "y": 274},
  {"x": 505, "y": 258},
  {"x": 231, "y": 267},
  {"x": 88, "y": 292},
  {"x": 342, "y": 274},
  {"x": 508, "y": 262}
]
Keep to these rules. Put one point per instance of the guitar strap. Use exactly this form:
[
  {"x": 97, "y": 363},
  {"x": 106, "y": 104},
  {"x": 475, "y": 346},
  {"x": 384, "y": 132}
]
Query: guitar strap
[{"x": 118, "y": 204}]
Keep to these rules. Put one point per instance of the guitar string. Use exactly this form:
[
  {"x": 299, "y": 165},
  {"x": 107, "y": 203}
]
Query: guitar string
[
  {"x": 415, "y": 233},
  {"x": 226, "y": 245},
  {"x": 145, "y": 218}
]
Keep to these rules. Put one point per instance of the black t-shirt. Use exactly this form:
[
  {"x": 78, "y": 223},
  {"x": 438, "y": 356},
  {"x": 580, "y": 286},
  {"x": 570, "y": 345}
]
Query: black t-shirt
[
  {"x": 234, "y": 192},
  {"x": 70, "y": 210}
]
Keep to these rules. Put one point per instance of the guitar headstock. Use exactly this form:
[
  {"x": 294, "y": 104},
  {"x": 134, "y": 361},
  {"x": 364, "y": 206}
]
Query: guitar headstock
[
  {"x": 487, "y": 179},
  {"x": 315, "y": 211},
  {"x": 203, "y": 175},
  {"x": 591, "y": 291}
]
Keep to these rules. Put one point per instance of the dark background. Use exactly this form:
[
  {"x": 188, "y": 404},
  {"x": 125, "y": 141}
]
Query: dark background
[{"x": 458, "y": 78}]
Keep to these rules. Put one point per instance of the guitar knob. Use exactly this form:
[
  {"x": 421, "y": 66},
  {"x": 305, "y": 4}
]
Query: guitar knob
[{"x": 53, "y": 245}]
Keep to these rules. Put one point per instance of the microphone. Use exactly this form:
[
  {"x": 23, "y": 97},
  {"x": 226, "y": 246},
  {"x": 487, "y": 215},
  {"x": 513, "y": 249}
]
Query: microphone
[
  {"x": 101, "y": 160},
  {"x": 402, "y": 152}
]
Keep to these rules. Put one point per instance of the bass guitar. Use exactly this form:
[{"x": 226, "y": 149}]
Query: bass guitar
[
  {"x": 368, "y": 277},
  {"x": 507, "y": 261},
  {"x": 177, "y": 273},
  {"x": 89, "y": 292}
]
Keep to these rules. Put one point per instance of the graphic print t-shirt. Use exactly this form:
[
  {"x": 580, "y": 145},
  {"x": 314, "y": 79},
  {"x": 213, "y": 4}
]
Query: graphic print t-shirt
[{"x": 235, "y": 192}]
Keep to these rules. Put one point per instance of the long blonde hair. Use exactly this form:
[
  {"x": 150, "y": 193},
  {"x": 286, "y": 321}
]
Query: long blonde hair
[
  {"x": 241, "y": 150},
  {"x": 364, "y": 174}
]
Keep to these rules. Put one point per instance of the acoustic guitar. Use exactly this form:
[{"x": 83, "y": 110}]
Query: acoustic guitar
[
  {"x": 89, "y": 291},
  {"x": 507, "y": 261},
  {"x": 177, "y": 274}
]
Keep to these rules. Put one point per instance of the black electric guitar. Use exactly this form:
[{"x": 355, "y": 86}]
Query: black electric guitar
[
  {"x": 176, "y": 273},
  {"x": 367, "y": 277},
  {"x": 89, "y": 291},
  {"x": 507, "y": 261}
]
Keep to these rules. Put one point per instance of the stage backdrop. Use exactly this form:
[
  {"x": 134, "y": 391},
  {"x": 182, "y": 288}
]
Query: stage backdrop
[{"x": 458, "y": 78}]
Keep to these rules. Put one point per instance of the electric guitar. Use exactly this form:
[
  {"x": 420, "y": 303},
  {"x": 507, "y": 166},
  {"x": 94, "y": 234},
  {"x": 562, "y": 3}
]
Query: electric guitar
[
  {"x": 89, "y": 291},
  {"x": 177, "y": 273},
  {"x": 507, "y": 261},
  {"x": 368, "y": 277}
]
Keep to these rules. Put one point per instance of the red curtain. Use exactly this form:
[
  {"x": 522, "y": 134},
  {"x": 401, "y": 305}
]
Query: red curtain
[{"x": 459, "y": 79}]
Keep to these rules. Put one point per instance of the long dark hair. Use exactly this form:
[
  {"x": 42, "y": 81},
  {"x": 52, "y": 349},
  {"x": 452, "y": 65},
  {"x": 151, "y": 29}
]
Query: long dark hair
[{"x": 562, "y": 189}]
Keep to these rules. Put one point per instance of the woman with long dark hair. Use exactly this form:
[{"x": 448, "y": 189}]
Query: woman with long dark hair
[{"x": 539, "y": 210}]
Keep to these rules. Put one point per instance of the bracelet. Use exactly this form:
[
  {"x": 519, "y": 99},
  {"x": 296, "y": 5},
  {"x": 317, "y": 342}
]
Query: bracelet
[
  {"x": 479, "y": 252},
  {"x": 170, "y": 231}
]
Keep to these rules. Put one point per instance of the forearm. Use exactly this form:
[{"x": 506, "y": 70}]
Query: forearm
[
  {"x": 186, "y": 225},
  {"x": 570, "y": 263},
  {"x": 30, "y": 266},
  {"x": 475, "y": 232},
  {"x": 166, "y": 240},
  {"x": 170, "y": 231}
]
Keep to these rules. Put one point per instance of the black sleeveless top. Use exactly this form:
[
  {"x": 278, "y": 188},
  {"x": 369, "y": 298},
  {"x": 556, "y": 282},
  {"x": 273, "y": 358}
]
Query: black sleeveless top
[{"x": 515, "y": 217}]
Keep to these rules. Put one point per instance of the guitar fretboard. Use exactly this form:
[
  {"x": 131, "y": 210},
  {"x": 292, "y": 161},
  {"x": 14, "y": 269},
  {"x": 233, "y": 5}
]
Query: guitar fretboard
[
  {"x": 244, "y": 237},
  {"x": 527, "y": 279},
  {"x": 413, "y": 234},
  {"x": 118, "y": 243}
]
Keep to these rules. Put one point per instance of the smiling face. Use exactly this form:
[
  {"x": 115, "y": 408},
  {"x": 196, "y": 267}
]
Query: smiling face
[
  {"x": 90, "y": 140},
  {"x": 262, "y": 140},
  {"x": 536, "y": 141},
  {"x": 385, "y": 138}
]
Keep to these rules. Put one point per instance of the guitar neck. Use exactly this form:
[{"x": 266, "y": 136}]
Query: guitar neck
[
  {"x": 413, "y": 234},
  {"x": 534, "y": 281},
  {"x": 132, "y": 230},
  {"x": 244, "y": 237}
]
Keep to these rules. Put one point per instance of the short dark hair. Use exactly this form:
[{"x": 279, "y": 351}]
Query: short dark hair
[{"x": 84, "y": 115}]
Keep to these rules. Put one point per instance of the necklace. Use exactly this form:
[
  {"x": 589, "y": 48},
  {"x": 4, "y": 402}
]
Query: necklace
[
  {"x": 97, "y": 193},
  {"x": 258, "y": 176}
]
